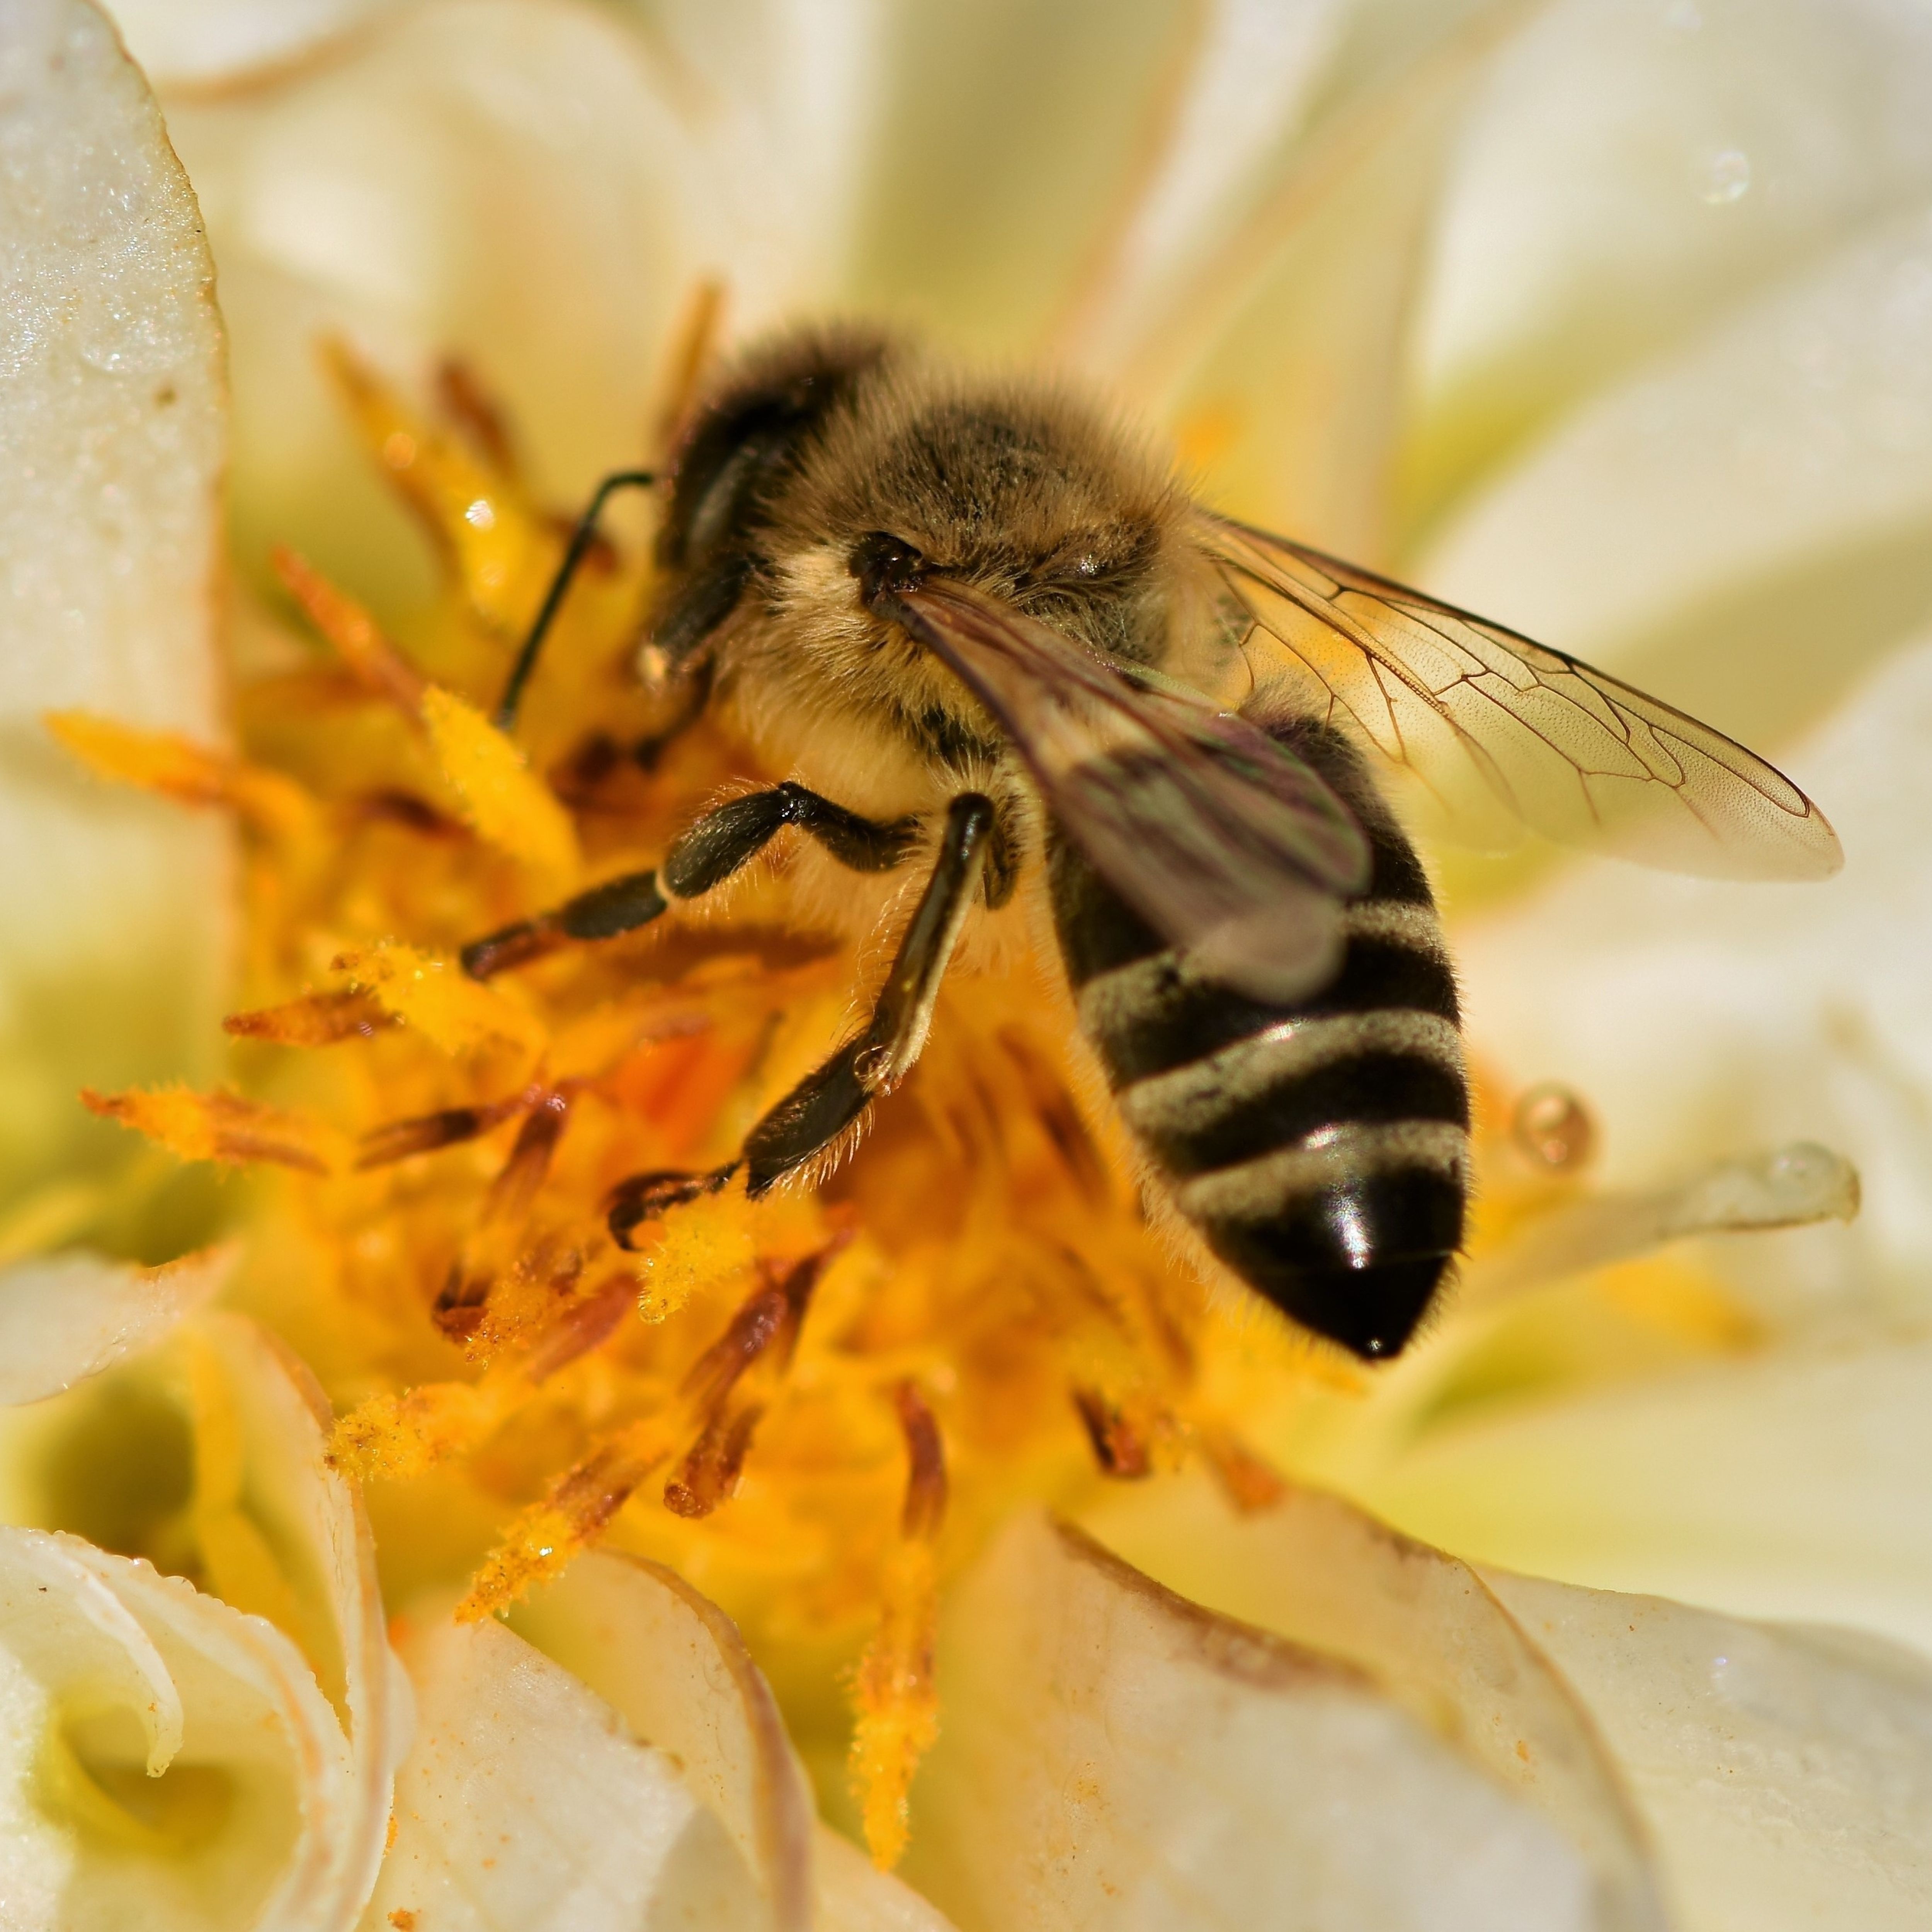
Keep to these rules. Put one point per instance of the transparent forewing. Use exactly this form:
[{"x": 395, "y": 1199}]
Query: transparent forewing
[
  {"x": 1230, "y": 846},
  {"x": 1487, "y": 718}
]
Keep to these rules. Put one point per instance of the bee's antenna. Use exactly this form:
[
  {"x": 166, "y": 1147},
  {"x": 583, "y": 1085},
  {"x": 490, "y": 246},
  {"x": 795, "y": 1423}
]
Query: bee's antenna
[{"x": 580, "y": 541}]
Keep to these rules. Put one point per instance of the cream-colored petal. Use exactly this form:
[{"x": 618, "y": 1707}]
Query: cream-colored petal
[
  {"x": 1627, "y": 173},
  {"x": 70, "y": 1315},
  {"x": 1793, "y": 1187},
  {"x": 219, "y": 43},
  {"x": 1229, "y": 120},
  {"x": 312, "y": 1522},
  {"x": 113, "y": 907},
  {"x": 1314, "y": 1570},
  {"x": 1279, "y": 363},
  {"x": 171, "y": 1762},
  {"x": 526, "y": 1804},
  {"x": 1786, "y": 1773},
  {"x": 207, "y": 1452},
  {"x": 850, "y": 1894},
  {"x": 509, "y": 182},
  {"x": 1698, "y": 1019},
  {"x": 674, "y": 1667},
  {"x": 1786, "y": 1485},
  {"x": 776, "y": 102},
  {"x": 1740, "y": 527},
  {"x": 1006, "y": 146},
  {"x": 1114, "y": 1756}
]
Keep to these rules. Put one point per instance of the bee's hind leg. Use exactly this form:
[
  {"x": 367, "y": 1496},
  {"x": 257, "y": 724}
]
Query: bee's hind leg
[
  {"x": 703, "y": 856},
  {"x": 829, "y": 1101}
]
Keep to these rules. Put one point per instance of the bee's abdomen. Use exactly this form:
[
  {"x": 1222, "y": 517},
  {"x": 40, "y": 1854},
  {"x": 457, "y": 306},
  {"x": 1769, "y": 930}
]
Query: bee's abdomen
[{"x": 1320, "y": 1149}]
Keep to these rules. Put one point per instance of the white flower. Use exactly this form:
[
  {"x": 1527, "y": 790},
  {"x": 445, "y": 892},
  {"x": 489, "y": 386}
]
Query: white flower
[{"x": 1611, "y": 324}]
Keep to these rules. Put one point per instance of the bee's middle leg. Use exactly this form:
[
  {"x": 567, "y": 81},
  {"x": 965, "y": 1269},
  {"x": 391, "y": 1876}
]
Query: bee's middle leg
[
  {"x": 703, "y": 856},
  {"x": 830, "y": 1100}
]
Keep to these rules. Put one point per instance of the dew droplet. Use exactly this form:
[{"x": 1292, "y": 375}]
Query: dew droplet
[
  {"x": 1554, "y": 1128},
  {"x": 1724, "y": 177}
]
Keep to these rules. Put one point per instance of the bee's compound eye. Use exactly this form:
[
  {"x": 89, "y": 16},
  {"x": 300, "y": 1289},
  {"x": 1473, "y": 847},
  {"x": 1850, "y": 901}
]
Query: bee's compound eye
[{"x": 884, "y": 565}]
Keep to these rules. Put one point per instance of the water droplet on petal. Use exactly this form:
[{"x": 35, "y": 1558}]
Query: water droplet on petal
[{"x": 1724, "y": 176}]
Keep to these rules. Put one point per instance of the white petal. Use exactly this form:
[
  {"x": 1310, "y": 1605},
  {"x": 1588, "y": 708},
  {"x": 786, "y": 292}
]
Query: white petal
[
  {"x": 1626, "y": 172},
  {"x": 1006, "y": 149},
  {"x": 1785, "y": 1773},
  {"x": 1280, "y": 366},
  {"x": 1703, "y": 528},
  {"x": 1114, "y": 1757},
  {"x": 313, "y": 1520},
  {"x": 850, "y": 1894},
  {"x": 1314, "y": 1570},
  {"x": 115, "y": 1676},
  {"x": 525, "y": 1804},
  {"x": 1697, "y": 1019},
  {"x": 1782, "y": 1487},
  {"x": 674, "y": 1667},
  {"x": 205, "y": 42},
  {"x": 113, "y": 907},
  {"x": 1236, "y": 111},
  {"x": 210, "y": 1450},
  {"x": 506, "y": 181},
  {"x": 70, "y": 1315}
]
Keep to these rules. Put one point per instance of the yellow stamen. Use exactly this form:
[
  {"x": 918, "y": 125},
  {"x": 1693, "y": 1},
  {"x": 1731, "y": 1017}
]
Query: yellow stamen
[
  {"x": 515, "y": 811},
  {"x": 191, "y": 774},
  {"x": 435, "y": 997},
  {"x": 358, "y": 639},
  {"x": 575, "y": 1511},
  {"x": 502, "y": 554},
  {"x": 898, "y": 1704},
  {"x": 224, "y": 1127}
]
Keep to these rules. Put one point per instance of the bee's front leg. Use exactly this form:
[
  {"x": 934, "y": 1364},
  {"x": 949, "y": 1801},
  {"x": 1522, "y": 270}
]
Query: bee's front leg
[
  {"x": 702, "y": 857},
  {"x": 829, "y": 1101}
]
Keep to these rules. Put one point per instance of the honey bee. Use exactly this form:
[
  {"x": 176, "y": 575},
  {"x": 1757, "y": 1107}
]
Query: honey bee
[{"x": 984, "y": 624}]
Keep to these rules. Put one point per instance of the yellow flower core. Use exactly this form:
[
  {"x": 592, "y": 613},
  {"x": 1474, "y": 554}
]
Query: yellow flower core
[{"x": 814, "y": 1404}]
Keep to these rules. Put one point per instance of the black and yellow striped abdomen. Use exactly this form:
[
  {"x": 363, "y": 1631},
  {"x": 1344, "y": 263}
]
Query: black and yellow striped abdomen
[{"x": 1320, "y": 1149}]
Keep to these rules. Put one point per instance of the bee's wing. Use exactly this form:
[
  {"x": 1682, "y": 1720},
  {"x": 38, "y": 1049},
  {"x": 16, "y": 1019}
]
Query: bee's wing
[
  {"x": 1228, "y": 845},
  {"x": 1483, "y": 715}
]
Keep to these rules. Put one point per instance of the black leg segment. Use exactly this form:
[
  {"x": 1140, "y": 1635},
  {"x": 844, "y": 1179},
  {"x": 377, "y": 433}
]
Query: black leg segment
[
  {"x": 703, "y": 856},
  {"x": 812, "y": 1116},
  {"x": 712, "y": 849}
]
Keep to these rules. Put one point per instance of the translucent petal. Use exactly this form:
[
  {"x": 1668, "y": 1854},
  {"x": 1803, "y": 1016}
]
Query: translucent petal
[
  {"x": 1740, "y": 527},
  {"x": 216, "y": 43},
  {"x": 1313, "y": 1569},
  {"x": 850, "y": 1894},
  {"x": 1787, "y": 1486},
  {"x": 70, "y": 1315},
  {"x": 1785, "y": 1773},
  {"x": 1006, "y": 142},
  {"x": 525, "y": 1803},
  {"x": 312, "y": 1521},
  {"x": 175, "y": 1764},
  {"x": 1228, "y": 127},
  {"x": 113, "y": 907},
  {"x": 1625, "y": 175},
  {"x": 674, "y": 1667},
  {"x": 207, "y": 1452},
  {"x": 1698, "y": 1020},
  {"x": 1114, "y": 1755},
  {"x": 1278, "y": 363}
]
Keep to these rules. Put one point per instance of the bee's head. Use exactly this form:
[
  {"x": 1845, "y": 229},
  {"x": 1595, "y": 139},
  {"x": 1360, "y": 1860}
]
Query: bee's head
[
  {"x": 745, "y": 444},
  {"x": 826, "y": 459}
]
